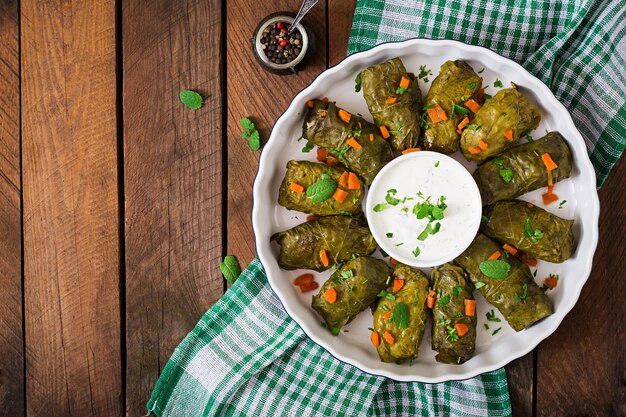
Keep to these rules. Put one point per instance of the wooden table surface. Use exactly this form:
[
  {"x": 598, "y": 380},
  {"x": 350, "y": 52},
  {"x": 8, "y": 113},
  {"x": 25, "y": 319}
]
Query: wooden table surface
[{"x": 117, "y": 203}]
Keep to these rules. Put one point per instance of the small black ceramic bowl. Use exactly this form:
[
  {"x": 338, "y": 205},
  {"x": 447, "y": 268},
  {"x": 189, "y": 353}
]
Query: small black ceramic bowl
[{"x": 275, "y": 51}]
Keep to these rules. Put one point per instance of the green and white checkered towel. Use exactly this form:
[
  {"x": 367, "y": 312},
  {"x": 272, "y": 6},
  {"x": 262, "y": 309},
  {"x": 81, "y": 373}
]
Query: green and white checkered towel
[
  {"x": 576, "y": 47},
  {"x": 247, "y": 357}
]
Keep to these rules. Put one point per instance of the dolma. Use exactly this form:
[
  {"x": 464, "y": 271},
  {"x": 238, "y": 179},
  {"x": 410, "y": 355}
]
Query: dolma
[
  {"x": 516, "y": 296},
  {"x": 394, "y": 106},
  {"x": 456, "y": 83},
  {"x": 404, "y": 317},
  {"x": 529, "y": 228},
  {"x": 498, "y": 124},
  {"x": 520, "y": 169},
  {"x": 339, "y": 236},
  {"x": 325, "y": 127},
  {"x": 355, "y": 286},
  {"x": 451, "y": 285},
  {"x": 305, "y": 173}
]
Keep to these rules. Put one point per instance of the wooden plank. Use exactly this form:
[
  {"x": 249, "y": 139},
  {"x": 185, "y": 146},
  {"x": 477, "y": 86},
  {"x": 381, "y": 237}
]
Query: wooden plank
[
  {"x": 11, "y": 342},
  {"x": 519, "y": 375},
  {"x": 71, "y": 258},
  {"x": 340, "y": 14},
  {"x": 581, "y": 366},
  {"x": 172, "y": 176}
]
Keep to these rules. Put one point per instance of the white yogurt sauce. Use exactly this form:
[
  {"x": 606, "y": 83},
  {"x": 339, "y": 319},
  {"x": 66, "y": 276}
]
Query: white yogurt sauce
[{"x": 410, "y": 175}]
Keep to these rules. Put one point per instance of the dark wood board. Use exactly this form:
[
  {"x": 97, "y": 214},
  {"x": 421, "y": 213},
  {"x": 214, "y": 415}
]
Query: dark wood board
[
  {"x": 71, "y": 225},
  {"x": 11, "y": 338},
  {"x": 172, "y": 180}
]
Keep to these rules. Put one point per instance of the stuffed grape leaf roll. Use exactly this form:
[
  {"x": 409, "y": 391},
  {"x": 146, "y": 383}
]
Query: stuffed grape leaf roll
[
  {"x": 498, "y": 124},
  {"x": 400, "y": 315},
  {"x": 456, "y": 83},
  {"x": 350, "y": 290},
  {"x": 520, "y": 169},
  {"x": 319, "y": 244},
  {"x": 394, "y": 99},
  {"x": 529, "y": 228},
  {"x": 454, "y": 332},
  {"x": 507, "y": 283},
  {"x": 323, "y": 198},
  {"x": 357, "y": 143}
]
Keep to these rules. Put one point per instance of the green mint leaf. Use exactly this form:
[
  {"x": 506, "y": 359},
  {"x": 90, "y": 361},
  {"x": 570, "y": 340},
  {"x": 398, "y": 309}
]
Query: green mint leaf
[
  {"x": 321, "y": 190},
  {"x": 191, "y": 99},
  {"x": 230, "y": 268},
  {"x": 247, "y": 123},
  {"x": 479, "y": 285},
  {"x": 380, "y": 207},
  {"x": 495, "y": 268},
  {"x": 389, "y": 235},
  {"x": 417, "y": 251},
  {"x": 422, "y": 236},
  {"x": 307, "y": 148},
  {"x": 254, "y": 141},
  {"x": 506, "y": 174},
  {"x": 357, "y": 83},
  {"x": 456, "y": 291},
  {"x": 401, "y": 315},
  {"x": 497, "y": 83}
]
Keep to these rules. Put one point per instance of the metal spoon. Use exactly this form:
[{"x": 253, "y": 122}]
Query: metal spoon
[{"x": 304, "y": 9}]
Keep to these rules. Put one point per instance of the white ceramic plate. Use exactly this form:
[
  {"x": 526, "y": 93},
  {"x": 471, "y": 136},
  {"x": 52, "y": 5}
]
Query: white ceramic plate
[{"x": 353, "y": 344}]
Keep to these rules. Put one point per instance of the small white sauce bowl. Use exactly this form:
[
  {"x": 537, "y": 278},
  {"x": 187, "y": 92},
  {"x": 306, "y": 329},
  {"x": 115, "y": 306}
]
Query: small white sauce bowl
[{"x": 433, "y": 174}]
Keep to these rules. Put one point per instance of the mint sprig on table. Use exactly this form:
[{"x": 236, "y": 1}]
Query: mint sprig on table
[
  {"x": 191, "y": 99},
  {"x": 251, "y": 133},
  {"x": 230, "y": 268}
]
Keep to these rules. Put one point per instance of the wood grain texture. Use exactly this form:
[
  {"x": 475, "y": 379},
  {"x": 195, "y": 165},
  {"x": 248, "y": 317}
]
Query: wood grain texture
[
  {"x": 172, "y": 176},
  {"x": 11, "y": 342},
  {"x": 340, "y": 14},
  {"x": 71, "y": 258},
  {"x": 519, "y": 375},
  {"x": 581, "y": 366},
  {"x": 254, "y": 92}
]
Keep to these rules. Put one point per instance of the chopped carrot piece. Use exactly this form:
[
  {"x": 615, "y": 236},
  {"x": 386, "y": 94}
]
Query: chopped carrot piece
[
  {"x": 310, "y": 104},
  {"x": 371, "y": 137},
  {"x": 463, "y": 123},
  {"x": 384, "y": 132},
  {"x": 508, "y": 134},
  {"x": 405, "y": 82},
  {"x": 311, "y": 217},
  {"x": 389, "y": 337},
  {"x": 474, "y": 150},
  {"x": 323, "y": 113},
  {"x": 461, "y": 328},
  {"x": 330, "y": 295},
  {"x": 470, "y": 307},
  {"x": 391, "y": 100},
  {"x": 296, "y": 188},
  {"x": 437, "y": 114},
  {"x": 353, "y": 142},
  {"x": 332, "y": 161},
  {"x": 409, "y": 150},
  {"x": 393, "y": 261},
  {"x": 309, "y": 287},
  {"x": 551, "y": 281},
  {"x": 548, "y": 162},
  {"x": 398, "y": 284},
  {"x": 495, "y": 255},
  {"x": 353, "y": 182},
  {"x": 304, "y": 279},
  {"x": 480, "y": 96},
  {"x": 472, "y": 105},
  {"x": 324, "y": 257},
  {"x": 526, "y": 259},
  {"x": 550, "y": 180},
  {"x": 529, "y": 205},
  {"x": 343, "y": 180},
  {"x": 321, "y": 154},
  {"x": 482, "y": 144},
  {"x": 340, "y": 195},
  {"x": 549, "y": 197},
  {"x": 510, "y": 249},
  {"x": 375, "y": 338},
  {"x": 387, "y": 315},
  {"x": 459, "y": 131},
  {"x": 430, "y": 300},
  {"x": 344, "y": 115}
]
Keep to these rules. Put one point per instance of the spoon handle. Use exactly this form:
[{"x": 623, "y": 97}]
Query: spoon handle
[{"x": 304, "y": 9}]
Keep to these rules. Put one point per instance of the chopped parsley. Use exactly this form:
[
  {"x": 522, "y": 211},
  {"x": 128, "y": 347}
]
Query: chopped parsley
[
  {"x": 534, "y": 234},
  {"x": 452, "y": 334},
  {"x": 390, "y": 199},
  {"x": 562, "y": 203},
  {"x": 479, "y": 284},
  {"x": 481, "y": 71},
  {"x": 456, "y": 109},
  {"x": 380, "y": 207},
  {"x": 491, "y": 316},
  {"x": 496, "y": 331},
  {"x": 417, "y": 251},
  {"x": 389, "y": 235},
  {"x": 387, "y": 295},
  {"x": 529, "y": 138},
  {"x": 457, "y": 290},
  {"x": 444, "y": 301},
  {"x": 470, "y": 86},
  {"x": 424, "y": 72},
  {"x": 497, "y": 83},
  {"x": 524, "y": 294},
  {"x": 437, "y": 164},
  {"x": 307, "y": 147},
  {"x": 357, "y": 83},
  {"x": 473, "y": 128}
]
